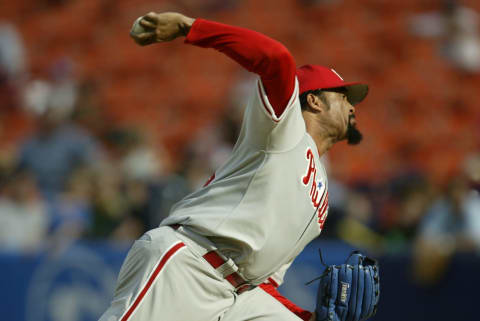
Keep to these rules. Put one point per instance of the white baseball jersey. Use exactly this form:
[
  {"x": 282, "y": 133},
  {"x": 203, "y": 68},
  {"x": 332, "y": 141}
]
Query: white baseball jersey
[{"x": 269, "y": 200}]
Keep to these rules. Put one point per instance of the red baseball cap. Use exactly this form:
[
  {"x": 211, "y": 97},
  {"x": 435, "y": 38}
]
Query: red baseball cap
[{"x": 312, "y": 77}]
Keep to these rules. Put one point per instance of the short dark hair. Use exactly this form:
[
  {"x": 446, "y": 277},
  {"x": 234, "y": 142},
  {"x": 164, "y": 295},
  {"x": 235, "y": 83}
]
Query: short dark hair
[{"x": 320, "y": 93}]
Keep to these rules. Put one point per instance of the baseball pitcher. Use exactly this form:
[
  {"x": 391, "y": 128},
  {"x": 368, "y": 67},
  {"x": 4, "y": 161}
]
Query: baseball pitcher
[{"x": 224, "y": 249}]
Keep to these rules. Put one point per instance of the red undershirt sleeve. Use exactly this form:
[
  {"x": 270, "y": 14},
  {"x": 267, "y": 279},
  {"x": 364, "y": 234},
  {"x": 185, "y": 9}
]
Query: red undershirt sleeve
[
  {"x": 272, "y": 290},
  {"x": 253, "y": 51}
]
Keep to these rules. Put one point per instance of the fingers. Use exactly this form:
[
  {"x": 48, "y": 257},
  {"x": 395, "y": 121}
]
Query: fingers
[
  {"x": 160, "y": 27},
  {"x": 151, "y": 17},
  {"x": 144, "y": 38},
  {"x": 147, "y": 24}
]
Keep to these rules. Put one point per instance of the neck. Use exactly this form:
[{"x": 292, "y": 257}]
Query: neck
[{"x": 319, "y": 134}]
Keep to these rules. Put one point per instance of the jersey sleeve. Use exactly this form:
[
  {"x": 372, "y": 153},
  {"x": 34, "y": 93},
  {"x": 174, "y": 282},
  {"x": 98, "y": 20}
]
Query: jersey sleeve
[
  {"x": 271, "y": 287},
  {"x": 272, "y": 120},
  {"x": 263, "y": 130},
  {"x": 255, "y": 52}
]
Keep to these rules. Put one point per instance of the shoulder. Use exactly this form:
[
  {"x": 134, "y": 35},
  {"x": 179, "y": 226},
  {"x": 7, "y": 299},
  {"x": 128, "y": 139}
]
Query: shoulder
[{"x": 265, "y": 105}]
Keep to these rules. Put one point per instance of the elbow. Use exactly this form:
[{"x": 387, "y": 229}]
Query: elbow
[
  {"x": 280, "y": 59},
  {"x": 283, "y": 56},
  {"x": 271, "y": 59}
]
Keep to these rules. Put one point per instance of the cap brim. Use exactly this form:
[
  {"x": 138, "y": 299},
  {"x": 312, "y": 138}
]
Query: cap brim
[{"x": 356, "y": 92}]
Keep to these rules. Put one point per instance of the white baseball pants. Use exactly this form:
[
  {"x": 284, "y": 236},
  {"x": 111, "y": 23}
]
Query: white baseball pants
[{"x": 164, "y": 277}]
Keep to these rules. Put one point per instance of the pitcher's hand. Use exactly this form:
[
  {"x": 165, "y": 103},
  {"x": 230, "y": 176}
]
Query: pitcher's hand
[{"x": 161, "y": 27}]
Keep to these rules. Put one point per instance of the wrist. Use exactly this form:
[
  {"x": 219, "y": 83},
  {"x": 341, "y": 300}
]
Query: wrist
[{"x": 185, "y": 24}]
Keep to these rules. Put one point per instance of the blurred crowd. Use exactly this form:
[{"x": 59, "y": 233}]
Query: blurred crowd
[{"x": 71, "y": 168}]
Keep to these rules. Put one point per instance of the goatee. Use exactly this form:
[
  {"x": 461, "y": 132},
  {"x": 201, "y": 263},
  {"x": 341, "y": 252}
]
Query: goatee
[{"x": 354, "y": 136}]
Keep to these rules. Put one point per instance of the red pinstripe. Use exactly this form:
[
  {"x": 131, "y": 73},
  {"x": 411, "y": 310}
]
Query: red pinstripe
[
  {"x": 152, "y": 278},
  {"x": 264, "y": 104}
]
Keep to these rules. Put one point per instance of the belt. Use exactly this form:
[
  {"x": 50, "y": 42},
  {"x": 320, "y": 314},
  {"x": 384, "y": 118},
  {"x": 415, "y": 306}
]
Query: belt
[
  {"x": 226, "y": 267},
  {"x": 217, "y": 262}
]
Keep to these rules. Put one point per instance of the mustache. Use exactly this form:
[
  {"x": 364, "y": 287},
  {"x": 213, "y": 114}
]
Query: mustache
[{"x": 354, "y": 136}]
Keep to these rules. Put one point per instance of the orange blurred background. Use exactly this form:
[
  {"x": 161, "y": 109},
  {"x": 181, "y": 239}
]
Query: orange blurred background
[{"x": 421, "y": 112}]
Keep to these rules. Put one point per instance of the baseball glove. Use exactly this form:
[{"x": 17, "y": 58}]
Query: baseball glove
[{"x": 349, "y": 292}]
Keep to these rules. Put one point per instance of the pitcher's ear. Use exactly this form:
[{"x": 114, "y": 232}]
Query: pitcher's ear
[{"x": 315, "y": 103}]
